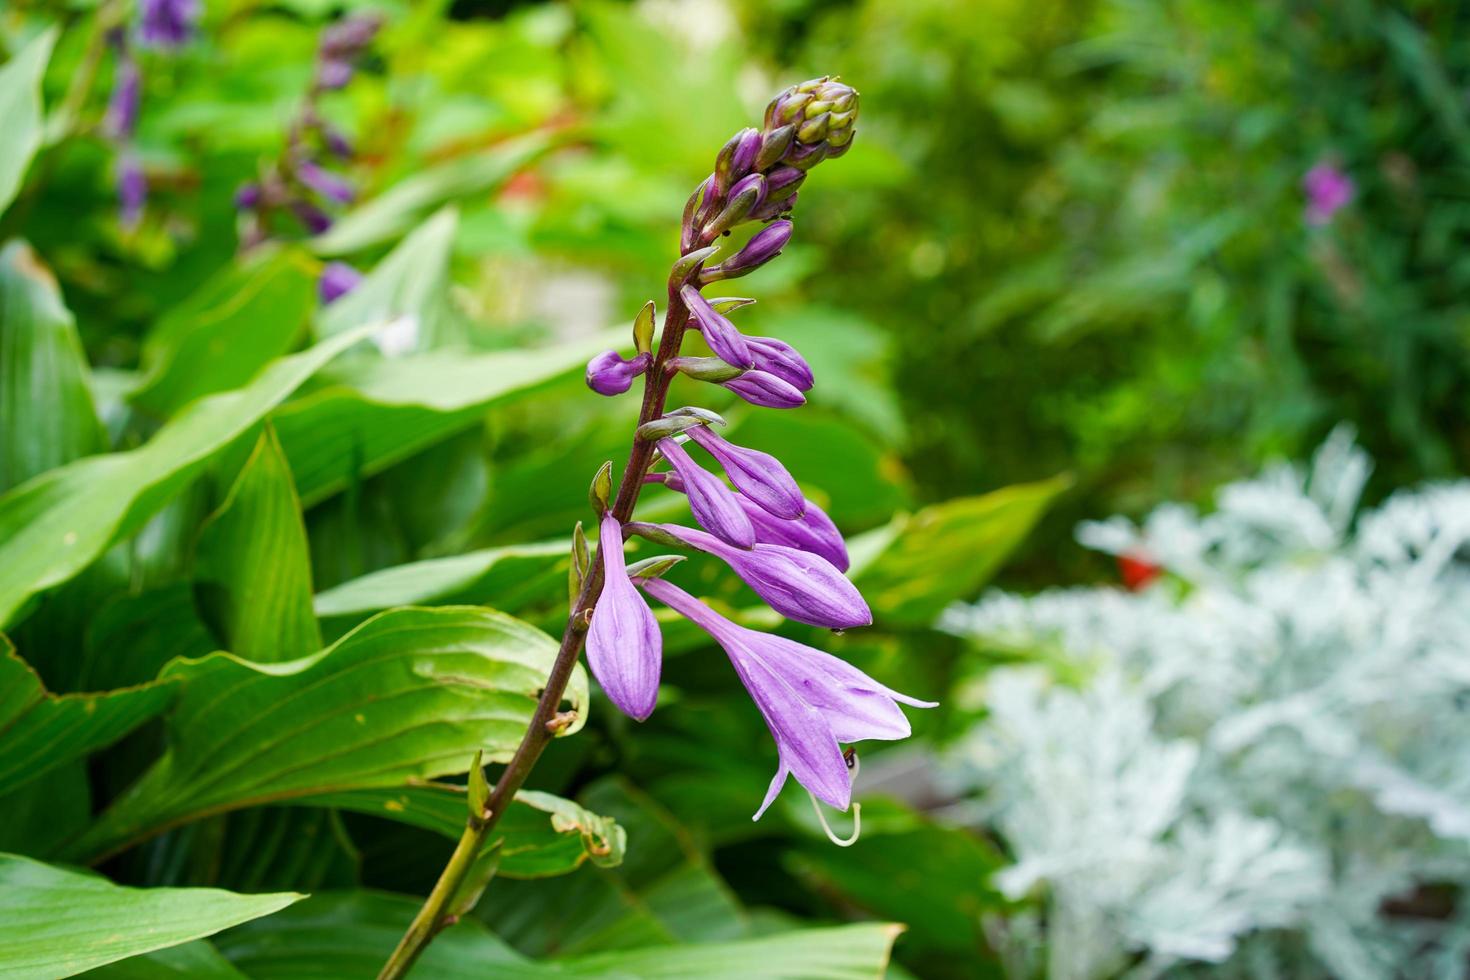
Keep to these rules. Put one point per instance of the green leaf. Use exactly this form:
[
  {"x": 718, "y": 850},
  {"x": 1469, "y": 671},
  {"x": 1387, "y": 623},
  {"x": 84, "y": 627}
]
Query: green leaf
[
  {"x": 853, "y": 952},
  {"x": 390, "y": 214},
  {"x": 191, "y": 961},
  {"x": 47, "y": 416},
  {"x": 40, "y": 731},
  {"x": 252, "y": 573},
  {"x": 912, "y": 569},
  {"x": 383, "y": 411},
  {"x": 53, "y": 526},
  {"x": 539, "y": 836},
  {"x": 56, "y": 923},
  {"x": 20, "y": 112},
  {"x": 409, "y": 695},
  {"x": 230, "y": 328}
]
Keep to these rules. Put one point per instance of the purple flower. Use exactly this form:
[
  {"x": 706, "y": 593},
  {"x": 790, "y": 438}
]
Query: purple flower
[
  {"x": 781, "y": 359},
  {"x": 759, "y": 476},
  {"x": 727, "y": 342},
  {"x": 121, "y": 120},
  {"x": 812, "y": 532},
  {"x": 811, "y": 700},
  {"x": 624, "y": 646},
  {"x": 331, "y": 186},
  {"x": 340, "y": 43},
  {"x": 798, "y": 585},
  {"x": 716, "y": 507},
  {"x": 763, "y": 246},
  {"x": 338, "y": 279},
  {"x": 166, "y": 23},
  {"x": 746, "y": 148},
  {"x": 248, "y": 197},
  {"x": 766, "y": 390},
  {"x": 313, "y": 217},
  {"x": 609, "y": 374},
  {"x": 1328, "y": 191},
  {"x": 333, "y": 74},
  {"x": 132, "y": 191}
]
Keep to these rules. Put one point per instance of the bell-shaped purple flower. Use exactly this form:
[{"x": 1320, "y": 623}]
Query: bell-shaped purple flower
[
  {"x": 813, "y": 532},
  {"x": 766, "y": 390},
  {"x": 624, "y": 646},
  {"x": 716, "y": 507},
  {"x": 811, "y": 700},
  {"x": 759, "y": 476},
  {"x": 166, "y": 23},
  {"x": 610, "y": 374},
  {"x": 727, "y": 342},
  {"x": 781, "y": 359},
  {"x": 337, "y": 280},
  {"x": 798, "y": 585},
  {"x": 763, "y": 246}
]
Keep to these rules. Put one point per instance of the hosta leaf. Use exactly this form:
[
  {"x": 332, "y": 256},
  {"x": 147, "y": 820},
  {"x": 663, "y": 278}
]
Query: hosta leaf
[
  {"x": 252, "y": 572},
  {"x": 854, "y": 952},
  {"x": 540, "y": 835},
  {"x": 920, "y": 563},
  {"x": 393, "y": 212},
  {"x": 47, "y": 416},
  {"x": 410, "y": 694},
  {"x": 20, "y": 112},
  {"x": 55, "y": 525},
  {"x": 40, "y": 731},
  {"x": 56, "y": 923},
  {"x": 382, "y": 411},
  {"x": 229, "y": 329},
  {"x": 191, "y": 961}
]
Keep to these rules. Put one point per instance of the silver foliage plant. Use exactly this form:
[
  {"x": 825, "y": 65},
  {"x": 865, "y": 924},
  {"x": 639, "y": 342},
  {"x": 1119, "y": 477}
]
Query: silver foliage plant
[{"x": 1259, "y": 765}]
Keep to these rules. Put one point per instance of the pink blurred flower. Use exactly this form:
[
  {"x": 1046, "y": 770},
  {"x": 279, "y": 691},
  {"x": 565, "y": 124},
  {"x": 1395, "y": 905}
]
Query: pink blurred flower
[{"x": 1328, "y": 191}]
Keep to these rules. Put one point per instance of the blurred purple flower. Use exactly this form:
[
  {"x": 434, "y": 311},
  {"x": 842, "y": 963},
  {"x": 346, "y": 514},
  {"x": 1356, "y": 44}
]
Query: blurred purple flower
[
  {"x": 811, "y": 700},
  {"x": 167, "y": 23},
  {"x": 121, "y": 120},
  {"x": 132, "y": 190},
  {"x": 1328, "y": 191},
  {"x": 624, "y": 646},
  {"x": 332, "y": 186},
  {"x": 337, "y": 280}
]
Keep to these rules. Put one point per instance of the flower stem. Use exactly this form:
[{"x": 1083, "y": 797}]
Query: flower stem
[{"x": 433, "y": 916}]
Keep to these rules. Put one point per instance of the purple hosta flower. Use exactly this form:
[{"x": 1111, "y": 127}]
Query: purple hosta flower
[
  {"x": 812, "y": 532},
  {"x": 811, "y": 700},
  {"x": 610, "y": 374},
  {"x": 167, "y": 23},
  {"x": 331, "y": 186},
  {"x": 338, "y": 279},
  {"x": 766, "y": 390},
  {"x": 716, "y": 507},
  {"x": 727, "y": 342},
  {"x": 624, "y": 646},
  {"x": 1328, "y": 191},
  {"x": 341, "y": 43},
  {"x": 132, "y": 190},
  {"x": 763, "y": 246},
  {"x": 759, "y": 476},
  {"x": 314, "y": 218},
  {"x": 781, "y": 359},
  {"x": 798, "y": 585},
  {"x": 336, "y": 141},
  {"x": 121, "y": 120},
  {"x": 248, "y": 197}
]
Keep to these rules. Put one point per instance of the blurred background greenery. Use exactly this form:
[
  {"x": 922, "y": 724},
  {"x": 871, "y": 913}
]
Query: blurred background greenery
[{"x": 1072, "y": 240}]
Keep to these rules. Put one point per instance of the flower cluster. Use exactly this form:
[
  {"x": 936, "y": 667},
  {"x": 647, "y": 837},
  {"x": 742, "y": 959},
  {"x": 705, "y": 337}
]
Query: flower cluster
[
  {"x": 759, "y": 522},
  {"x": 305, "y": 182}
]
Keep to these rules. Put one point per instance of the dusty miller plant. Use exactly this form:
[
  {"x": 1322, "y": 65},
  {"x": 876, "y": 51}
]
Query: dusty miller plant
[{"x": 1258, "y": 762}]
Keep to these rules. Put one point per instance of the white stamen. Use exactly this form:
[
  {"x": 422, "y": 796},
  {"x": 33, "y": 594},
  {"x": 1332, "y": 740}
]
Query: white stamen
[{"x": 857, "y": 811}]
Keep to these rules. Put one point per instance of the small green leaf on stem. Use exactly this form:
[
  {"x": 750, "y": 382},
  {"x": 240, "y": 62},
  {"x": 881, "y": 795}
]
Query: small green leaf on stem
[
  {"x": 581, "y": 562},
  {"x": 479, "y": 790},
  {"x": 643, "y": 328},
  {"x": 601, "y": 491}
]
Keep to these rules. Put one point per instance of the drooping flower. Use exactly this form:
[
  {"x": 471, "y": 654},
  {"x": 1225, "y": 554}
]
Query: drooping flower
[
  {"x": 167, "y": 24},
  {"x": 716, "y": 507},
  {"x": 811, "y": 700},
  {"x": 759, "y": 476},
  {"x": 1328, "y": 191},
  {"x": 766, "y": 390},
  {"x": 781, "y": 359},
  {"x": 624, "y": 646},
  {"x": 723, "y": 338},
  {"x": 337, "y": 280},
  {"x": 813, "y": 532},
  {"x": 609, "y": 373},
  {"x": 797, "y": 584}
]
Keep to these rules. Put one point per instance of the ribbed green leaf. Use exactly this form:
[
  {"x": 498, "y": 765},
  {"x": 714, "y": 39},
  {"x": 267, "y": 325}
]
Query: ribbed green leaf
[
  {"x": 220, "y": 336},
  {"x": 40, "y": 731},
  {"x": 541, "y": 834},
  {"x": 252, "y": 571},
  {"x": 47, "y": 416},
  {"x": 20, "y": 112},
  {"x": 918, "y": 564},
  {"x": 409, "y": 695},
  {"x": 56, "y": 923},
  {"x": 855, "y": 952},
  {"x": 53, "y": 526},
  {"x": 191, "y": 961}
]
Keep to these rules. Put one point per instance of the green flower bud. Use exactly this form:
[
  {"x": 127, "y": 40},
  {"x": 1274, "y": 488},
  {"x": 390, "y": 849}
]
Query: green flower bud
[{"x": 823, "y": 112}]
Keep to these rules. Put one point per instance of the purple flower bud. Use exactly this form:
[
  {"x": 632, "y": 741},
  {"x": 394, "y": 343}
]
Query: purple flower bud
[
  {"x": 766, "y": 390},
  {"x": 132, "y": 191},
  {"x": 247, "y": 198},
  {"x": 781, "y": 359},
  {"x": 811, "y": 700},
  {"x": 121, "y": 120},
  {"x": 782, "y": 182},
  {"x": 743, "y": 159},
  {"x": 774, "y": 209},
  {"x": 333, "y": 74},
  {"x": 331, "y": 186},
  {"x": 337, "y": 142},
  {"x": 716, "y": 507},
  {"x": 727, "y": 342},
  {"x": 1328, "y": 191},
  {"x": 798, "y": 585},
  {"x": 624, "y": 646},
  {"x": 813, "y": 531},
  {"x": 759, "y": 476},
  {"x": 755, "y": 182},
  {"x": 166, "y": 23},
  {"x": 313, "y": 217},
  {"x": 763, "y": 246},
  {"x": 609, "y": 374},
  {"x": 337, "y": 280},
  {"x": 349, "y": 36}
]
